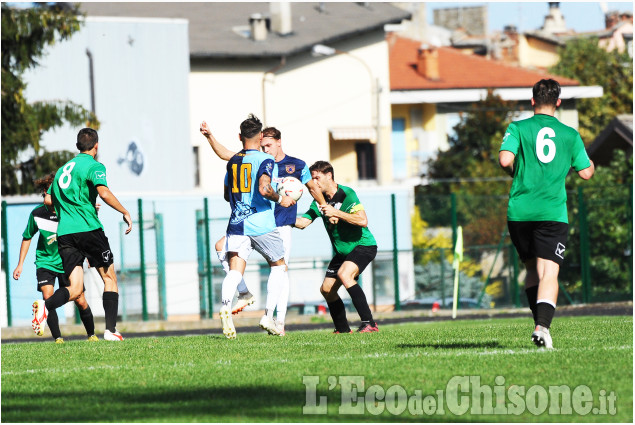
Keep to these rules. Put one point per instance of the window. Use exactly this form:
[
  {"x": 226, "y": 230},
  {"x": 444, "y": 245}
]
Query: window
[{"x": 366, "y": 168}]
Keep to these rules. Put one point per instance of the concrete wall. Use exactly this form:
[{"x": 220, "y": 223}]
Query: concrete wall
[{"x": 141, "y": 71}]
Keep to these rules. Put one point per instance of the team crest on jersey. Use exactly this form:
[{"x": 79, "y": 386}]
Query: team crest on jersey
[
  {"x": 269, "y": 168},
  {"x": 241, "y": 212},
  {"x": 289, "y": 168}
]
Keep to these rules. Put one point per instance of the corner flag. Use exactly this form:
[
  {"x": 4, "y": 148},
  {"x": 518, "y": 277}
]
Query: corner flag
[{"x": 458, "y": 257}]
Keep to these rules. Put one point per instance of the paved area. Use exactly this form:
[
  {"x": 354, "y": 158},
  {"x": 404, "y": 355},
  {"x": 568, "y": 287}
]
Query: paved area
[{"x": 248, "y": 321}]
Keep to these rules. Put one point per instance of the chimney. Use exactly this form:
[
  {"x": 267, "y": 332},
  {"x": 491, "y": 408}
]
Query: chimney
[
  {"x": 281, "y": 17},
  {"x": 554, "y": 21},
  {"x": 258, "y": 25},
  {"x": 428, "y": 62}
]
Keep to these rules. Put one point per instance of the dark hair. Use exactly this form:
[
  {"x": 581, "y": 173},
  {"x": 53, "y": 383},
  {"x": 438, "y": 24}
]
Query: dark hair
[
  {"x": 322, "y": 167},
  {"x": 42, "y": 184},
  {"x": 250, "y": 127},
  {"x": 272, "y": 132},
  {"x": 87, "y": 138},
  {"x": 546, "y": 92}
]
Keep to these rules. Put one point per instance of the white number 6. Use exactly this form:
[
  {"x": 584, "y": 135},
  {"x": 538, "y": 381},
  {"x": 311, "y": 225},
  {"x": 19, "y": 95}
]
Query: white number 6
[
  {"x": 542, "y": 141},
  {"x": 65, "y": 179}
]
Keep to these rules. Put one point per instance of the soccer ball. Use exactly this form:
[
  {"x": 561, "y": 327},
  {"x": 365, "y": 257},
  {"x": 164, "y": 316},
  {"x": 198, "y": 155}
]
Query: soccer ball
[{"x": 290, "y": 186}]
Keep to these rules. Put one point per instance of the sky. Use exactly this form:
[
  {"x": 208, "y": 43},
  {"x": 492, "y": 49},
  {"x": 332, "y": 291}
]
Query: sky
[{"x": 527, "y": 16}]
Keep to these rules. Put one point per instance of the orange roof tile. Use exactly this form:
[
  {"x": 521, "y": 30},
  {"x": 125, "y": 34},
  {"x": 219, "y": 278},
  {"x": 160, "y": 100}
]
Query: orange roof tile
[{"x": 459, "y": 71}]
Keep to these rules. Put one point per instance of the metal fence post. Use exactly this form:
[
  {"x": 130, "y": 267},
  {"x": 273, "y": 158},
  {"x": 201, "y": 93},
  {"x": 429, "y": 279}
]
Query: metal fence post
[
  {"x": 5, "y": 259},
  {"x": 158, "y": 234},
  {"x": 142, "y": 263},
  {"x": 442, "y": 251},
  {"x": 208, "y": 260},
  {"x": 395, "y": 252},
  {"x": 584, "y": 248}
]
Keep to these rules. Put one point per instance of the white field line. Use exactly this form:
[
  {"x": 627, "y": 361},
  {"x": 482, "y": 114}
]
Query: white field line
[{"x": 223, "y": 363}]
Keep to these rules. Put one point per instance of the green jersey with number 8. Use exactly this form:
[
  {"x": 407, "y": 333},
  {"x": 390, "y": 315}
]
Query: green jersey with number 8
[
  {"x": 74, "y": 192},
  {"x": 545, "y": 151}
]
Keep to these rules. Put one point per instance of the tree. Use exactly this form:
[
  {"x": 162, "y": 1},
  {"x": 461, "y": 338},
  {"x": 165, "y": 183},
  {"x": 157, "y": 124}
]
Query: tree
[
  {"x": 25, "y": 35},
  {"x": 583, "y": 60},
  {"x": 472, "y": 156}
]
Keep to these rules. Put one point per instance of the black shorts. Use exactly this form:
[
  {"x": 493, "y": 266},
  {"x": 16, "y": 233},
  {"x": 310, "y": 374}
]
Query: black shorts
[
  {"x": 544, "y": 239},
  {"x": 360, "y": 255},
  {"x": 47, "y": 277},
  {"x": 93, "y": 246}
]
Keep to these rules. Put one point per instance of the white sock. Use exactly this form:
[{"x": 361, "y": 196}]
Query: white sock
[
  {"x": 230, "y": 283},
  {"x": 274, "y": 284},
  {"x": 242, "y": 286},
  {"x": 283, "y": 298},
  {"x": 551, "y": 303}
]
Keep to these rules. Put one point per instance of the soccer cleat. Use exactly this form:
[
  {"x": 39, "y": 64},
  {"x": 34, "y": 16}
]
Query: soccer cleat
[
  {"x": 112, "y": 336},
  {"x": 280, "y": 328},
  {"x": 39, "y": 317},
  {"x": 268, "y": 324},
  {"x": 541, "y": 337},
  {"x": 93, "y": 338},
  {"x": 338, "y": 332},
  {"x": 367, "y": 327},
  {"x": 228, "y": 324},
  {"x": 59, "y": 340},
  {"x": 243, "y": 301}
]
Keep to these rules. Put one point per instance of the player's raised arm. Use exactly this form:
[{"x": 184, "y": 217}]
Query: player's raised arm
[
  {"x": 110, "y": 199},
  {"x": 221, "y": 151},
  {"x": 265, "y": 189}
]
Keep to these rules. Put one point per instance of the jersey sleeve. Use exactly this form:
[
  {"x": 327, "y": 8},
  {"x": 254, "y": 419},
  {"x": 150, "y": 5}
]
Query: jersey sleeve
[
  {"x": 97, "y": 175},
  {"x": 355, "y": 203},
  {"x": 31, "y": 228},
  {"x": 305, "y": 177},
  {"x": 266, "y": 168},
  {"x": 313, "y": 212},
  {"x": 511, "y": 139},
  {"x": 579, "y": 158}
]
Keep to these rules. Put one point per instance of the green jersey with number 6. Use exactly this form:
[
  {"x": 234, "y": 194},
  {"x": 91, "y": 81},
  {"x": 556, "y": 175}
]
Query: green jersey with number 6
[
  {"x": 74, "y": 193},
  {"x": 545, "y": 151}
]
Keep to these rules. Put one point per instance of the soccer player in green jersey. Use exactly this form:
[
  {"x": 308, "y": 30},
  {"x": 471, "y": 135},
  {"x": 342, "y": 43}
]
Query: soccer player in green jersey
[
  {"x": 538, "y": 153},
  {"x": 49, "y": 264},
  {"x": 355, "y": 247},
  {"x": 80, "y": 234}
]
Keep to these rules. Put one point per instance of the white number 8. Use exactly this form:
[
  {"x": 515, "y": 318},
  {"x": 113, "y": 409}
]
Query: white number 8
[
  {"x": 65, "y": 179},
  {"x": 542, "y": 141}
]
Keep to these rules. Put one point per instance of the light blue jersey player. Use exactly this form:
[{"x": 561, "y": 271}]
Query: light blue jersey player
[
  {"x": 252, "y": 225},
  {"x": 285, "y": 166}
]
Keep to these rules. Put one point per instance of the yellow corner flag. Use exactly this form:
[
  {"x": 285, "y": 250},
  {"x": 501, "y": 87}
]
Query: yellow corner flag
[
  {"x": 458, "y": 248},
  {"x": 458, "y": 257}
]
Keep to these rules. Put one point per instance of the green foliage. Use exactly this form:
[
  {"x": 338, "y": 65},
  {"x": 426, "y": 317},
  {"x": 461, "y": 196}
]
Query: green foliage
[
  {"x": 257, "y": 378},
  {"x": 583, "y": 60},
  {"x": 608, "y": 197},
  {"x": 25, "y": 35}
]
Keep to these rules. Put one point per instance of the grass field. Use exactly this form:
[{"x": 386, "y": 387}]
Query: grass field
[{"x": 258, "y": 378}]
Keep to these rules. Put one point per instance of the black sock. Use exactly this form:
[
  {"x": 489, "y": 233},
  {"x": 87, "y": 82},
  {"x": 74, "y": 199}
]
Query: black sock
[
  {"x": 338, "y": 314},
  {"x": 54, "y": 323},
  {"x": 111, "y": 307},
  {"x": 544, "y": 314},
  {"x": 87, "y": 320},
  {"x": 532, "y": 296},
  {"x": 361, "y": 305},
  {"x": 58, "y": 299}
]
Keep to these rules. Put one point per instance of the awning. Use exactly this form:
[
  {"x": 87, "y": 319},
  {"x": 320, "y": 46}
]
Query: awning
[{"x": 354, "y": 133}]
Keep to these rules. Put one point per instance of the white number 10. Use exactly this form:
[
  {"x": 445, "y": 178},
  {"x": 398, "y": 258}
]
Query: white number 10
[{"x": 542, "y": 141}]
